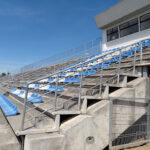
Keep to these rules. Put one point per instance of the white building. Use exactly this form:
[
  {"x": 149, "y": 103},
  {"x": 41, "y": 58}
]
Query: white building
[{"x": 124, "y": 23}]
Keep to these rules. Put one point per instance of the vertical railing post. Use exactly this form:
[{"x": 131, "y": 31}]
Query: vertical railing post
[
  {"x": 80, "y": 88},
  {"x": 56, "y": 92},
  {"x": 118, "y": 75},
  {"x": 141, "y": 53},
  {"x": 92, "y": 48},
  {"x": 110, "y": 122},
  {"x": 85, "y": 48},
  {"x": 134, "y": 59},
  {"x": 100, "y": 45},
  {"x": 24, "y": 108},
  {"x": 101, "y": 76}
]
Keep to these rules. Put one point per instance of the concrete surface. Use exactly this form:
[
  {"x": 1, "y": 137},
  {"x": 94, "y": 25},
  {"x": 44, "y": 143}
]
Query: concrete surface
[
  {"x": 15, "y": 121},
  {"x": 8, "y": 140},
  {"x": 86, "y": 132},
  {"x": 49, "y": 141}
]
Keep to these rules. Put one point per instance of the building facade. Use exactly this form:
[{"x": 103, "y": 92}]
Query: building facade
[{"x": 124, "y": 23}]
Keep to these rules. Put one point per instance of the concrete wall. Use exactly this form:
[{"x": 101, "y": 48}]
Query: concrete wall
[
  {"x": 78, "y": 130},
  {"x": 122, "y": 122},
  {"x": 90, "y": 131},
  {"x": 49, "y": 141}
]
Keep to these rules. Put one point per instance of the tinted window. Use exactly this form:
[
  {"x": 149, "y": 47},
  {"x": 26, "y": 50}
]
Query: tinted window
[
  {"x": 112, "y": 34},
  {"x": 129, "y": 27},
  {"x": 145, "y": 21}
]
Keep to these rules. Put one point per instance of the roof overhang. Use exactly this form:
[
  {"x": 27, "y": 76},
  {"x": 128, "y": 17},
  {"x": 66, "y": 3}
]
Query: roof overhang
[{"x": 123, "y": 10}]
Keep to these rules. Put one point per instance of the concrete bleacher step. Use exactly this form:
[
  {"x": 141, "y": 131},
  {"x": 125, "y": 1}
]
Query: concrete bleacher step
[
  {"x": 34, "y": 74},
  {"x": 44, "y": 121},
  {"x": 145, "y": 56},
  {"x": 94, "y": 122},
  {"x": 8, "y": 140},
  {"x": 67, "y": 108}
]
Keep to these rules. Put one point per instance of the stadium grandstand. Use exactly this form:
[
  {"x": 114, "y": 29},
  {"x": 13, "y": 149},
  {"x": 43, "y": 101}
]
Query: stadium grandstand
[{"x": 95, "y": 96}]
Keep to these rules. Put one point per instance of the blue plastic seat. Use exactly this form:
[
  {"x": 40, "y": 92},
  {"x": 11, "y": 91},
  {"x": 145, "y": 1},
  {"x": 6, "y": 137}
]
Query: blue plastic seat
[
  {"x": 85, "y": 65},
  {"x": 52, "y": 88},
  {"x": 72, "y": 80},
  {"x": 13, "y": 90},
  {"x": 146, "y": 43},
  {"x": 116, "y": 59},
  {"x": 21, "y": 92},
  {"x": 62, "y": 74},
  {"x": 100, "y": 66},
  {"x": 36, "y": 86},
  {"x": 126, "y": 53},
  {"x": 50, "y": 80},
  {"x": 96, "y": 67},
  {"x": 8, "y": 107},
  {"x": 73, "y": 70},
  {"x": 88, "y": 72},
  {"x": 24, "y": 85},
  {"x": 75, "y": 80},
  {"x": 106, "y": 66},
  {"x": 35, "y": 98}
]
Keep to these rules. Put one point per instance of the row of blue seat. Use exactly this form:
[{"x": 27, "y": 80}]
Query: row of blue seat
[
  {"x": 92, "y": 70},
  {"x": 49, "y": 88},
  {"x": 32, "y": 97},
  {"x": 124, "y": 54},
  {"x": 8, "y": 108},
  {"x": 52, "y": 88},
  {"x": 75, "y": 77},
  {"x": 107, "y": 62}
]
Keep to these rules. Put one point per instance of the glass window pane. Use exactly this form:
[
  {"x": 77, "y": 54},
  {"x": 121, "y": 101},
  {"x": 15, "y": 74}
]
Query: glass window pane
[
  {"x": 145, "y": 22},
  {"x": 133, "y": 22},
  {"x": 129, "y": 30},
  {"x": 145, "y": 17},
  {"x": 129, "y": 27},
  {"x": 125, "y": 25},
  {"x": 109, "y": 31},
  {"x": 145, "y": 25},
  {"x": 115, "y": 29},
  {"x": 112, "y": 34}
]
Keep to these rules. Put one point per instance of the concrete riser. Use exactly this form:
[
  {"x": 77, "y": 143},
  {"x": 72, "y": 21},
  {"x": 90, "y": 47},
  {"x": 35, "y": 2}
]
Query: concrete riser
[{"x": 90, "y": 131}]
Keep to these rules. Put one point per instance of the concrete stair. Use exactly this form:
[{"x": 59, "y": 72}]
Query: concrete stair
[
  {"x": 89, "y": 127},
  {"x": 8, "y": 140}
]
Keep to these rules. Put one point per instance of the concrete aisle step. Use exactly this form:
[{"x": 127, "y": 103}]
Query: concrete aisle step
[
  {"x": 8, "y": 140},
  {"x": 15, "y": 121}
]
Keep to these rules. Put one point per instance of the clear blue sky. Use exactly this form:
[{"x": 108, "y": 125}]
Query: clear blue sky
[{"x": 31, "y": 30}]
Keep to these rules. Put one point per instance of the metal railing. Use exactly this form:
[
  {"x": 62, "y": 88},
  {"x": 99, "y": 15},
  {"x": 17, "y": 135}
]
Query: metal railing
[
  {"x": 84, "y": 50},
  {"x": 129, "y": 122},
  {"x": 96, "y": 88},
  {"x": 69, "y": 56}
]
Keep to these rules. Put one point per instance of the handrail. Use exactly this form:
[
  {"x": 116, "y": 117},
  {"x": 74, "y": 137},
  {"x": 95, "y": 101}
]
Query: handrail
[
  {"x": 134, "y": 45},
  {"x": 69, "y": 83},
  {"x": 57, "y": 57},
  {"x": 81, "y": 63},
  {"x": 82, "y": 51}
]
